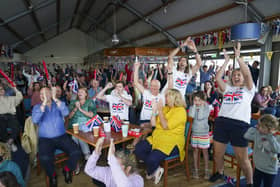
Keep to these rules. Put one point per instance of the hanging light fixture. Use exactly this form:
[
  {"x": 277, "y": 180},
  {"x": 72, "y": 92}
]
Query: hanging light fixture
[
  {"x": 245, "y": 31},
  {"x": 115, "y": 39}
]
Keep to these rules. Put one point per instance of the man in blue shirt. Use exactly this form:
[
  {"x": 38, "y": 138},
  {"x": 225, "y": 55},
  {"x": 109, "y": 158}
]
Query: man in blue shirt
[
  {"x": 49, "y": 116},
  {"x": 205, "y": 74}
]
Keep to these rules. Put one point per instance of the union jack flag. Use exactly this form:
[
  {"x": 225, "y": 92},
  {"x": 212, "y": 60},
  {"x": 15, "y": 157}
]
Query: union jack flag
[
  {"x": 74, "y": 86},
  {"x": 95, "y": 121},
  {"x": 181, "y": 82},
  {"x": 234, "y": 96},
  {"x": 148, "y": 103},
  {"x": 118, "y": 106},
  {"x": 116, "y": 123}
]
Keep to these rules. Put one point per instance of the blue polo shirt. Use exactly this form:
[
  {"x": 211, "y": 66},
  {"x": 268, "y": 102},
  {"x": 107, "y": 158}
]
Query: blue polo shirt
[{"x": 51, "y": 121}]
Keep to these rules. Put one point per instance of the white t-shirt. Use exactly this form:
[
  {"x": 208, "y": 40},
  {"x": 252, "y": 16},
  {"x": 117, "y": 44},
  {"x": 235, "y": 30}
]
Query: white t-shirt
[
  {"x": 237, "y": 103},
  {"x": 147, "y": 98},
  {"x": 117, "y": 106},
  {"x": 181, "y": 80}
]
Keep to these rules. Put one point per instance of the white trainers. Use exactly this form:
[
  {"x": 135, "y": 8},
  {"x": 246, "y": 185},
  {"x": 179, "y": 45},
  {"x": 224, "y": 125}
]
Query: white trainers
[{"x": 158, "y": 174}]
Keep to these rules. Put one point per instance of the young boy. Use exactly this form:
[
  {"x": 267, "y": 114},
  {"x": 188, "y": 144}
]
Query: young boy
[
  {"x": 266, "y": 147},
  {"x": 200, "y": 130}
]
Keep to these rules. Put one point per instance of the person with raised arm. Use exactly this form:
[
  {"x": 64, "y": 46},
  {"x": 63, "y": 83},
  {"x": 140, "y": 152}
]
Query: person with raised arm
[
  {"x": 119, "y": 100},
  {"x": 179, "y": 77},
  {"x": 234, "y": 117},
  {"x": 122, "y": 169}
]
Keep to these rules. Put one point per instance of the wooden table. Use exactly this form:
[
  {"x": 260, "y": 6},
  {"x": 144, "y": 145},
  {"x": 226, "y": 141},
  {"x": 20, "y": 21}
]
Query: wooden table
[{"x": 117, "y": 136}]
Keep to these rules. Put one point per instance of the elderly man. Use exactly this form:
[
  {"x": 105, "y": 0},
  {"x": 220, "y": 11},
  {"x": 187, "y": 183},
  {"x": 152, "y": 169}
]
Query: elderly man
[{"x": 49, "y": 116}]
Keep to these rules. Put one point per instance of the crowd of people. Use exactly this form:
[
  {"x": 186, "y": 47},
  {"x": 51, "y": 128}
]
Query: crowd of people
[{"x": 160, "y": 99}]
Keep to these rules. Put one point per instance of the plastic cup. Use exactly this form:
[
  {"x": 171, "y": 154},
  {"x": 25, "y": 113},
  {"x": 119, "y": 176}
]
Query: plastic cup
[
  {"x": 76, "y": 128},
  {"x": 107, "y": 127},
  {"x": 125, "y": 126},
  {"x": 96, "y": 131}
]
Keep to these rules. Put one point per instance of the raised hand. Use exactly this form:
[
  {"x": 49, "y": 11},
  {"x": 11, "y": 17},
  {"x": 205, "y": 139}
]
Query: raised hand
[
  {"x": 191, "y": 45},
  {"x": 45, "y": 97},
  {"x": 136, "y": 65},
  {"x": 99, "y": 145},
  {"x": 237, "y": 49},
  {"x": 54, "y": 93},
  {"x": 109, "y": 85}
]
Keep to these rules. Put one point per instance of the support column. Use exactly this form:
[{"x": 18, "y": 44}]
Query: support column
[
  {"x": 275, "y": 64},
  {"x": 265, "y": 64}
]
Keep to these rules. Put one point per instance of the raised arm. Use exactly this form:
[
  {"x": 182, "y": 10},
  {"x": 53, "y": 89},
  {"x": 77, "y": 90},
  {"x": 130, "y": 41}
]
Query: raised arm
[
  {"x": 191, "y": 45},
  {"x": 136, "y": 78},
  {"x": 101, "y": 95},
  {"x": 219, "y": 75},
  {"x": 248, "y": 80}
]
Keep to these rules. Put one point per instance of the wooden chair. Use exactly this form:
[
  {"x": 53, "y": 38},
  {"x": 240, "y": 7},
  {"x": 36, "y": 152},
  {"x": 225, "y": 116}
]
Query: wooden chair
[
  {"x": 232, "y": 160},
  {"x": 173, "y": 161},
  {"x": 60, "y": 157}
]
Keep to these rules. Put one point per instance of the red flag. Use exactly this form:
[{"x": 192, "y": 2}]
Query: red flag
[
  {"x": 121, "y": 75},
  {"x": 46, "y": 70},
  {"x": 7, "y": 78},
  {"x": 94, "y": 75}
]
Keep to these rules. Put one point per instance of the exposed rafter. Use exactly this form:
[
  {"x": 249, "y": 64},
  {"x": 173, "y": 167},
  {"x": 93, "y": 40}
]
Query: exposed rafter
[
  {"x": 24, "y": 13},
  {"x": 75, "y": 13},
  {"x": 57, "y": 16},
  {"x": 15, "y": 33},
  {"x": 187, "y": 21},
  {"x": 133, "y": 22},
  {"x": 86, "y": 10},
  {"x": 105, "y": 17},
  {"x": 156, "y": 26},
  {"x": 28, "y": 6}
]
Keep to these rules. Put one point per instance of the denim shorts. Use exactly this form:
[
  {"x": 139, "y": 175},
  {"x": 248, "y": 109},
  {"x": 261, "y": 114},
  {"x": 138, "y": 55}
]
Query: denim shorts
[{"x": 230, "y": 130}]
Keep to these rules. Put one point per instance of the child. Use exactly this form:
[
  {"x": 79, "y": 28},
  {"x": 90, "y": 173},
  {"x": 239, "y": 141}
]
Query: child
[
  {"x": 266, "y": 147},
  {"x": 200, "y": 130},
  {"x": 120, "y": 172}
]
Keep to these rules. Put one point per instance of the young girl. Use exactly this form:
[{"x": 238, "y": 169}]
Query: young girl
[
  {"x": 266, "y": 147},
  {"x": 200, "y": 130},
  {"x": 121, "y": 170}
]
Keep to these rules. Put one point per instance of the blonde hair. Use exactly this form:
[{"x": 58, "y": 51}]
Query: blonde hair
[
  {"x": 4, "y": 151},
  {"x": 175, "y": 98},
  {"x": 86, "y": 90},
  {"x": 128, "y": 160},
  {"x": 269, "y": 121},
  {"x": 233, "y": 71}
]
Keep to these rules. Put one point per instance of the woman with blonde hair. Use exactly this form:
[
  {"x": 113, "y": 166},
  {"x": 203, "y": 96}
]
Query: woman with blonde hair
[{"x": 167, "y": 138}]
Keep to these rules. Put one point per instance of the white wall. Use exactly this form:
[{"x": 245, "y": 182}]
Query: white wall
[{"x": 69, "y": 47}]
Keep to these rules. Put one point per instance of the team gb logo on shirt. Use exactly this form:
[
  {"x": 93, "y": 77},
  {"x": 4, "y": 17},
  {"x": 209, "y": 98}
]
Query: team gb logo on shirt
[
  {"x": 180, "y": 82},
  {"x": 118, "y": 107},
  {"x": 233, "y": 97}
]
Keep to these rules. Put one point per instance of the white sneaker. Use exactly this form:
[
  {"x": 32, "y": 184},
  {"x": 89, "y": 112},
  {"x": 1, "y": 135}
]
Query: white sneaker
[
  {"x": 158, "y": 174},
  {"x": 149, "y": 177}
]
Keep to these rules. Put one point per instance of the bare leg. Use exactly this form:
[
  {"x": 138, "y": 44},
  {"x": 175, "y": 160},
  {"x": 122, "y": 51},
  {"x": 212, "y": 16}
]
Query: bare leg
[
  {"x": 220, "y": 149},
  {"x": 241, "y": 154}
]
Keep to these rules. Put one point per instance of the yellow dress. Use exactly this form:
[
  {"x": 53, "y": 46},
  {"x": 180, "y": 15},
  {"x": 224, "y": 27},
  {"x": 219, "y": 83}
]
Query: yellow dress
[{"x": 166, "y": 139}]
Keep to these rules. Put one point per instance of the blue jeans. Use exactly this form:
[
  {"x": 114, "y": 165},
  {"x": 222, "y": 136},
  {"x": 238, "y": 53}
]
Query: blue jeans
[
  {"x": 47, "y": 147},
  {"x": 265, "y": 178},
  {"x": 151, "y": 158},
  {"x": 83, "y": 145}
]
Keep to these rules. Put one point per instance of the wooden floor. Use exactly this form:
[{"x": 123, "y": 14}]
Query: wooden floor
[{"x": 176, "y": 178}]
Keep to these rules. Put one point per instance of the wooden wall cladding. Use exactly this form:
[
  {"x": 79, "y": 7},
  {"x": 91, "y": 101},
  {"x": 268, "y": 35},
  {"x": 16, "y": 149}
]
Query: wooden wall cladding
[{"x": 141, "y": 51}]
